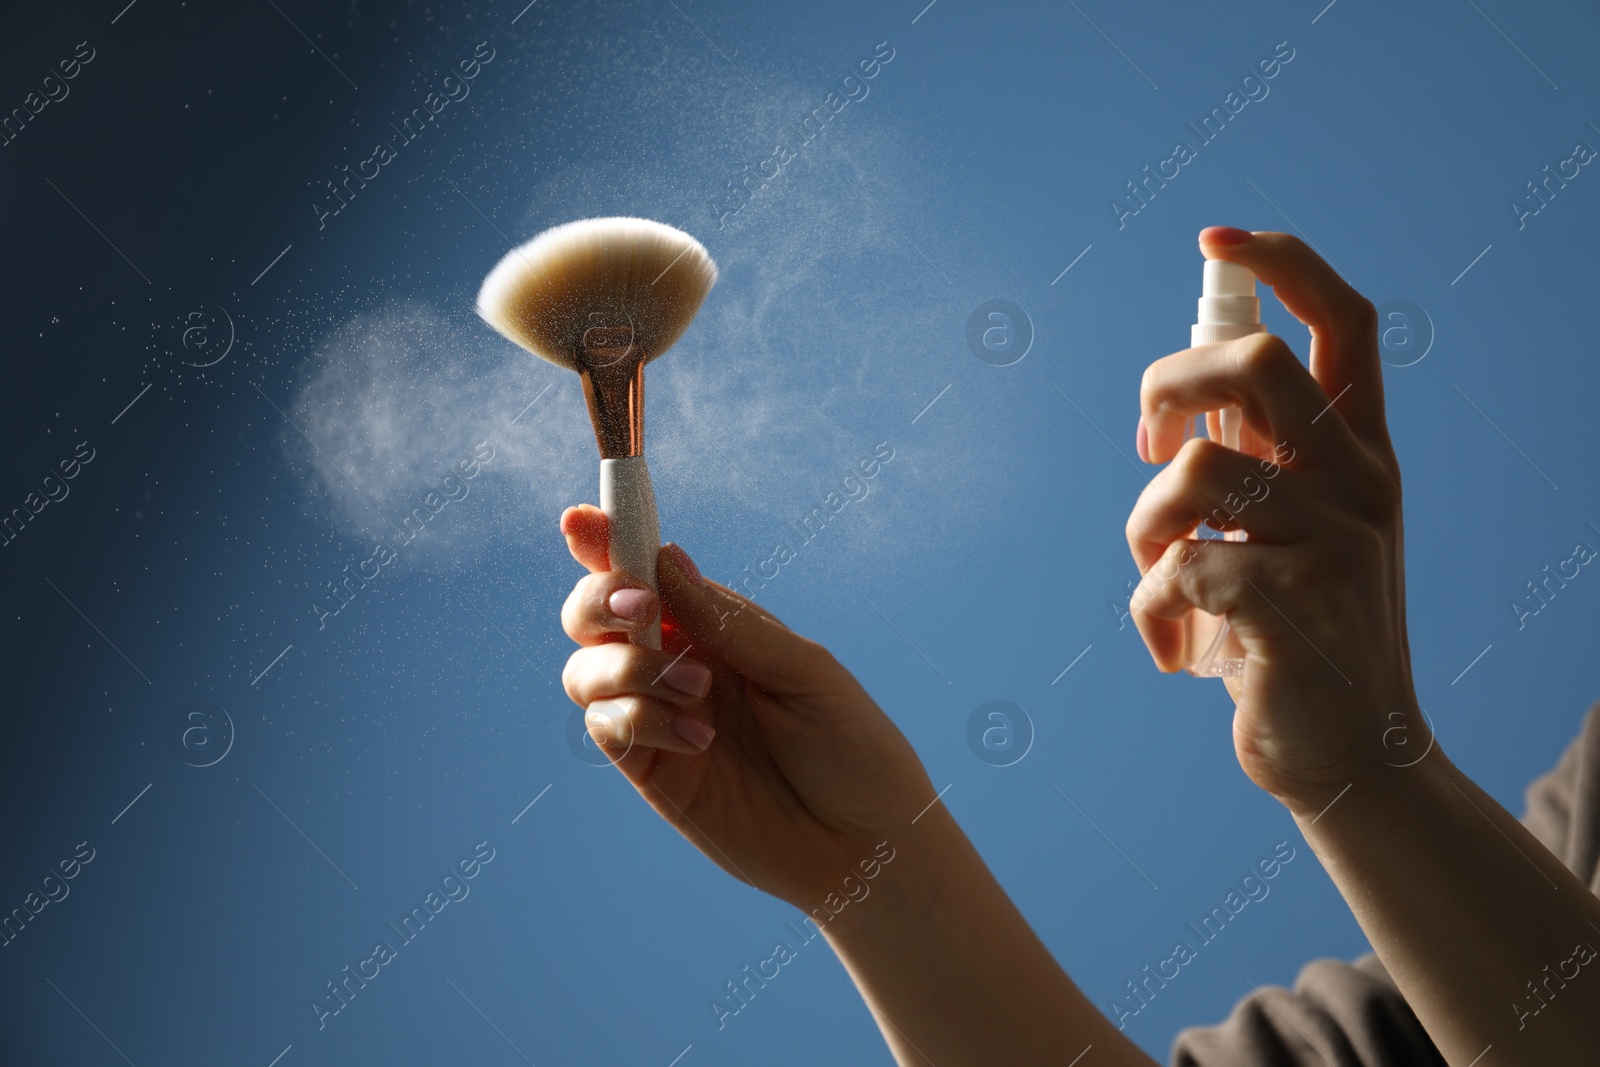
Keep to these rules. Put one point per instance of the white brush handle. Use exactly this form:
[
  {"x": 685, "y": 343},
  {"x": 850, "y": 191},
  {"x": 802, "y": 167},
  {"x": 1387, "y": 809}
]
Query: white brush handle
[{"x": 630, "y": 507}]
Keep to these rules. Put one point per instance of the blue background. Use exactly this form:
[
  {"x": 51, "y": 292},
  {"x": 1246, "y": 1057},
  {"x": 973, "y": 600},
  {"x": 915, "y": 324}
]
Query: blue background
[{"x": 423, "y": 718}]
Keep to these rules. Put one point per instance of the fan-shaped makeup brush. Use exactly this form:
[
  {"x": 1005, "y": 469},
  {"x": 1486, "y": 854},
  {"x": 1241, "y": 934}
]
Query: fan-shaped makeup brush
[{"x": 603, "y": 297}]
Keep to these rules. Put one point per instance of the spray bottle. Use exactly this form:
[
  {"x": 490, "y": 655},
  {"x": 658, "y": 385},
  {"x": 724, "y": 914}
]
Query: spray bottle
[{"x": 1228, "y": 309}]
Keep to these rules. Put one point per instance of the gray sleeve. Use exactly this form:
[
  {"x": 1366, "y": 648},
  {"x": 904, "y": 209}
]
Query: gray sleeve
[
  {"x": 1563, "y": 806},
  {"x": 1352, "y": 1014},
  {"x": 1339, "y": 1014}
]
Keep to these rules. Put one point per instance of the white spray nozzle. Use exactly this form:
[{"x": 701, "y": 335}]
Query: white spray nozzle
[
  {"x": 1222, "y": 278},
  {"x": 1227, "y": 300}
]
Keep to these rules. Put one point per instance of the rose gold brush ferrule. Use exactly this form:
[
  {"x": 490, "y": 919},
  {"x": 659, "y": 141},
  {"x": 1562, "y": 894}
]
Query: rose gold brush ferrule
[{"x": 611, "y": 367}]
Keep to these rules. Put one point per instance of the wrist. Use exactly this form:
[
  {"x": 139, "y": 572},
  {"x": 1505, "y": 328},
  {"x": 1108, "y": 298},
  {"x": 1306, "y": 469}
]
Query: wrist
[
  {"x": 1365, "y": 746},
  {"x": 1384, "y": 784},
  {"x": 922, "y": 863}
]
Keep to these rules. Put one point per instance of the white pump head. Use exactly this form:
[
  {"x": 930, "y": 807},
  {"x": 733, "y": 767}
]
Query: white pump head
[
  {"x": 1228, "y": 307},
  {"x": 1222, "y": 278}
]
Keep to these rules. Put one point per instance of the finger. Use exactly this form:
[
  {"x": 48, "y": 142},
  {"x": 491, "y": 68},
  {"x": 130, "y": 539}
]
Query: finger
[
  {"x": 620, "y": 724},
  {"x": 1260, "y": 376},
  {"x": 747, "y": 604},
  {"x": 1188, "y": 575},
  {"x": 1254, "y": 586},
  {"x": 636, "y": 762},
  {"x": 617, "y": 669},
  {"x": 717, "y": 621},
  {"x": 1343, "y": 323},
  {"x": 588, "y": 536},
  {"x": 607, "y": 606},
  {"x": 1212, "y": 484}
]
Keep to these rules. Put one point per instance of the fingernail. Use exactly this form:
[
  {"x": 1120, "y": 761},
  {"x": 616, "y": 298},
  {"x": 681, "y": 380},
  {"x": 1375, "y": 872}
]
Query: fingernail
[
  {"x": 631, "y": 604},
  {"x": 1141, "y": 441},
  {"x": 685, "y": 564},
  {"x": 1225, "y": 235},
  {"x": 688, "y": 676},
  {"x": 694, "y": 731}
]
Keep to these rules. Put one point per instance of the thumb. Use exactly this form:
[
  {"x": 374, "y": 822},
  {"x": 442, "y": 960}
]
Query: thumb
[{"x": 717, "y": 621}]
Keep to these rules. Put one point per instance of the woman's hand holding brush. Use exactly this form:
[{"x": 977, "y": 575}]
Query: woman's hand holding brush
[{"x": 749, "y": 739}]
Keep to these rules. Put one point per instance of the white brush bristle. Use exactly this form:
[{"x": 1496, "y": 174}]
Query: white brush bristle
[{"x": 598, "y": 272}]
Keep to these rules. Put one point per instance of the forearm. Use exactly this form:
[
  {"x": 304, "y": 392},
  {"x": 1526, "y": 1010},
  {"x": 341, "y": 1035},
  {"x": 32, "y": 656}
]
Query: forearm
[
  {"x": 1477, "y": 922},
  {"x": 953, "y": 973}
]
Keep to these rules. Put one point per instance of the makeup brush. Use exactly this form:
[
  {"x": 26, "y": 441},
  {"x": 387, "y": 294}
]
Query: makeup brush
[{"x": 604, "y": 297}]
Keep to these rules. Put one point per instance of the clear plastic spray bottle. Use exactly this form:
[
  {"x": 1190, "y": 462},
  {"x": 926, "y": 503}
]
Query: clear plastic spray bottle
[{"x": 1229, "y": 309}]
